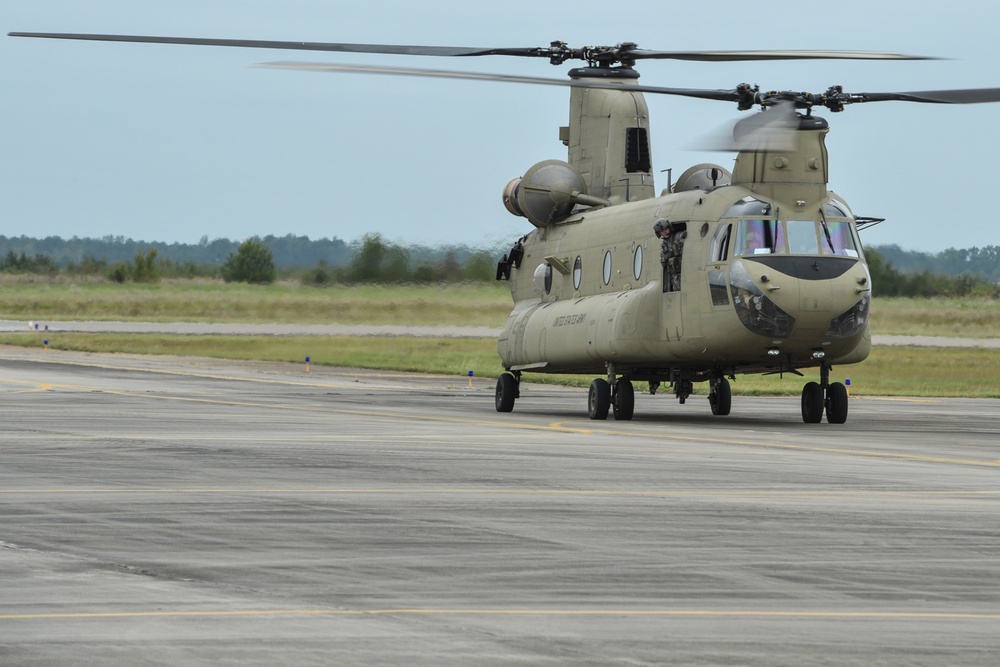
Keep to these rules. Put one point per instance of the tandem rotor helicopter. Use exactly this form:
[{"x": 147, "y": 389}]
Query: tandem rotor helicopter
[{"x": 762, "y": 271}]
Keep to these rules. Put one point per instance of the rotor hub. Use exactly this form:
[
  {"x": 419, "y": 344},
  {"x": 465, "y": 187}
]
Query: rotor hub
[{"x": 603, "y": 73}]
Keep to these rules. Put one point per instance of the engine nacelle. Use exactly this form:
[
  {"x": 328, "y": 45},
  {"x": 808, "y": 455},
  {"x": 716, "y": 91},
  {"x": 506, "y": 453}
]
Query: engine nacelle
[{"x": 547, "y": 193}]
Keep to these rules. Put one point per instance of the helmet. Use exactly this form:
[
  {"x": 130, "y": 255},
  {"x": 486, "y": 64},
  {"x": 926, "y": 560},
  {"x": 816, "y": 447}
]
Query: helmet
[{"x": 660, "y": 225}]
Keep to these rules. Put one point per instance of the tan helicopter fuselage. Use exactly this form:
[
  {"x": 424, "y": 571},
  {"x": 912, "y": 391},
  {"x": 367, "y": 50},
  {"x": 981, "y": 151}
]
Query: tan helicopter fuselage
[
  {"x": 590, "y": 291},
  {"x": 605, "y": 301}
]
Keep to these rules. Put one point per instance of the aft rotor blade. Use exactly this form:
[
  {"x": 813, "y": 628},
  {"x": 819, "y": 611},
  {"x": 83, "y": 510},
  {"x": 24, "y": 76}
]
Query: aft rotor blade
[
  {"x": 725, "y": 95},
  {"x": 395, "y": 49},
  {"x": 557, "y": 52}
]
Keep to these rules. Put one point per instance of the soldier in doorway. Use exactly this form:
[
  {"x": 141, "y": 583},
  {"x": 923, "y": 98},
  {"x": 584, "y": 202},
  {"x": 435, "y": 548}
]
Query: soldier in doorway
[{"x": 671, "y": 249}]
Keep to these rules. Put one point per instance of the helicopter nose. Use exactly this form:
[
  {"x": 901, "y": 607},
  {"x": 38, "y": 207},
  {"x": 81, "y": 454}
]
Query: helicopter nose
[{"x": 821, "y": 296}]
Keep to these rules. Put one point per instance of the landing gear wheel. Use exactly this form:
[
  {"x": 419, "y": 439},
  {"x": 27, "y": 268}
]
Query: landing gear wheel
[
  {"x": 506, "y": 392},
  {"x": 836, "y": 403},
  {"x": 599, "y": 399},
  {"x": 812, "y": 403},
  {"x": 721, "y": 397},
  {"x": 623, "y": 400}
]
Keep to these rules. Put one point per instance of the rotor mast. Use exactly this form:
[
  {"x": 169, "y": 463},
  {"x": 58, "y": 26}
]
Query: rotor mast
[
  {"x": 608, "y": 137},
  {"x": 785, "y": 161}
]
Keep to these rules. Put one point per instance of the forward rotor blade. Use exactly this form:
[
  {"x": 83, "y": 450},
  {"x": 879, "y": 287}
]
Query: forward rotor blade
[
  {"x": 732, "y": 56},
  {"x": 724, "y": 95},
  {"x": 958, "y": 96},
  {"x": 772, "y": 129}
]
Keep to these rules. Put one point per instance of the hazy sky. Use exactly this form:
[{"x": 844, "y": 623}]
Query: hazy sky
[{"x": 172, "y": 143}]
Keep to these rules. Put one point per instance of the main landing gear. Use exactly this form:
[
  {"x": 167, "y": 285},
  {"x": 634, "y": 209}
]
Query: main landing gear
[
  {"x": 617, "y": 397},
  {"x": 824, "y": 395}
]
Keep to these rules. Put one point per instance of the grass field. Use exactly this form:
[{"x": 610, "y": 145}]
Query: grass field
[
  {"x": 889, "y": 371},
  {"x": 466, "y": 305},
  {"x": 215, "y": 301}
]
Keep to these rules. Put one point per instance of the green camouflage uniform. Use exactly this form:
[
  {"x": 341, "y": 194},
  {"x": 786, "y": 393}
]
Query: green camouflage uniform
[{"x": 671, "y": 249}]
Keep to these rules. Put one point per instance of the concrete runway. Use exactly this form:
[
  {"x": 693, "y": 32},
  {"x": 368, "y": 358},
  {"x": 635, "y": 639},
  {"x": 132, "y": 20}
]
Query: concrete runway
[{"x": 188, "y": 511}]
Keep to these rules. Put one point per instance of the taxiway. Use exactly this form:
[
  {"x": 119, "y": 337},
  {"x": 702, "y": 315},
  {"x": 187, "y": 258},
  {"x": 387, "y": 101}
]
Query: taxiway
[{"x": 192, "y": 511}]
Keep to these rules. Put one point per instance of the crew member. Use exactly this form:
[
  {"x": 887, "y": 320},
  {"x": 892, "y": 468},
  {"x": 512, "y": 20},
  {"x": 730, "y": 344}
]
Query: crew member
[{"x": 671, "y": 249}]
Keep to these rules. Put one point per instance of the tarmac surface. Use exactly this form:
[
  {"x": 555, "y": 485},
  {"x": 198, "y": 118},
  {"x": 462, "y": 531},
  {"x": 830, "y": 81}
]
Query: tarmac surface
[{"x": 163, "y": 510}]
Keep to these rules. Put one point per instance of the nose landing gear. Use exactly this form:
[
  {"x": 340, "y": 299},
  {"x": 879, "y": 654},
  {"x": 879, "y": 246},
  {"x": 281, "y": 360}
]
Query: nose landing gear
[
  {"x": 824, "y": 396},
  {"x": 720, "y": 396}
]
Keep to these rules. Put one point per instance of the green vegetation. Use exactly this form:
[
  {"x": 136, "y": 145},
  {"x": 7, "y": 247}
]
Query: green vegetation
[
  {"x": 958, "y": 317},
  {"x": 452, "y": 288},
  {"x": 890, "y": 371},
  {"x": 142, "y": 269},
  {"x": 464, "y": 304},
  {"x": 478, "y": 304},
  {"x": 982, "y": 262},
  {"x": 372, "y": 259},
  {"x": 449, "y": 356},
  {"x": 316, "y": 263},
  {"x": 968, "y": 279},
  {"x": 899, "y": 371},
  {"x": 252, "y": 263}
]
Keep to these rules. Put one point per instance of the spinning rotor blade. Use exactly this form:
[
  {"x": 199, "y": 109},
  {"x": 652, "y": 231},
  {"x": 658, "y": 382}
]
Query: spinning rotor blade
[
  {"x": 626, "y": 54},
  {"x": 772, "y": 129},
  {"x": 557, "y": 52},
  {"x": 960, "y": 96},
  {"x": 724, "y": 95},
  {"x": 835, "y": 99},
  {"x": 733, "y": 56},
  {"x": 396, "y": 49}
]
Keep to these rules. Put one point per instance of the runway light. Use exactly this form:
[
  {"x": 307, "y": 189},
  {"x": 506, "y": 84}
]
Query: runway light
[{"x": 470, "y": 379}]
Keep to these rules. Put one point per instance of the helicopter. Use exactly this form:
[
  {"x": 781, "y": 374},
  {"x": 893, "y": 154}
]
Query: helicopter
[{"x": 762, "y": 270}]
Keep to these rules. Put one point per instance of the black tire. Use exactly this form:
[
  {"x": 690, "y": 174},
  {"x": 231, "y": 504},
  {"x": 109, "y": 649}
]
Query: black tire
[
  {"x": 599, "y": 399},
  {"x": 812, "y": 403},
  {"x": 623, "y": 400},
  {"x": 836, "y": 403},
  {"x": 721, "y": 398},
  {"x": 506, "y": 392}
]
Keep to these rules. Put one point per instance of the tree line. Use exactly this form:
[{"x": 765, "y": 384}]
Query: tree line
[
  {"x": 888, "y": 279},
  {"x": 372, "y": 259}
]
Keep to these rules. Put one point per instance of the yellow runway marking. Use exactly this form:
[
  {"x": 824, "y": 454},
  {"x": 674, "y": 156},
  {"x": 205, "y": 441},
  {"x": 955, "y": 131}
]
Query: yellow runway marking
[{"x": 677, "y": 613}]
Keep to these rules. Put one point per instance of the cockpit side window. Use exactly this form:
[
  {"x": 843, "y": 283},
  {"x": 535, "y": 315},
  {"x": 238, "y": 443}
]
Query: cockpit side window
[
  {"x": 720, "y": 243},
  {"x": 838, "y": 239}
]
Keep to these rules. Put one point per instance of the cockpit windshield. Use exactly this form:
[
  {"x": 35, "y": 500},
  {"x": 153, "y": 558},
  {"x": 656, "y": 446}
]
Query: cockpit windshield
[{"x": 795, "y": 237}]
